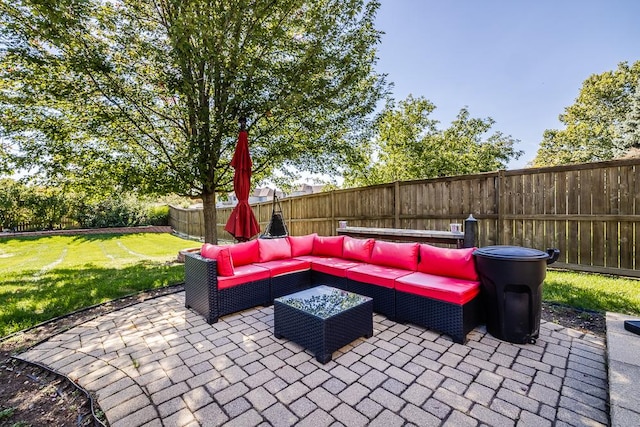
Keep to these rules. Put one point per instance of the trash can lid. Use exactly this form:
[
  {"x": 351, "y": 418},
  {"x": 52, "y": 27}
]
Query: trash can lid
[{"x": 514, "y": 253}]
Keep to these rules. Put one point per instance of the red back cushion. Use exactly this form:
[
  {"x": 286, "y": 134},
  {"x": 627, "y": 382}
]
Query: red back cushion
[
  {"x": 244, "y": 253},
  {"x": 301, "y": 245},
  {"x": 357, "y": 249},
  {"x": 272, "y": 249},
  {"x": 328, "y": 246},
  {"x": 398, "y": 255},
  {"x": 223, "y": 257},
  {"x": 457, "y": 263}
]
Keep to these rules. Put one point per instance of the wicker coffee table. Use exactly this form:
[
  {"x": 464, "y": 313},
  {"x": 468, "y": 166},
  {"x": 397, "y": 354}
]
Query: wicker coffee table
[{"x": 323, "y": 319}]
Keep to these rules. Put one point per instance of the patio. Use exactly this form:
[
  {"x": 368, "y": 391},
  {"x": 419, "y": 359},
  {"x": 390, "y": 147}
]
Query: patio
[{"x": 159, "y": 364}]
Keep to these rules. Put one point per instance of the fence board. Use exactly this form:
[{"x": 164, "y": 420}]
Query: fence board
[
  {"x": 585, "y": 208},
  {"x": 597, "y": 204},
  {"x": 611, "y": 206},
  {"x": 626, "y": 227},
  {"x": 560, "y": 208},
  {"x": 549, "y": 228}
]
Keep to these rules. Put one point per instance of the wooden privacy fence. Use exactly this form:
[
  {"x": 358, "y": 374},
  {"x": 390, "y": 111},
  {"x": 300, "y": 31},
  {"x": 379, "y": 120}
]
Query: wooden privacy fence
[{"x": 591, "y": 211}]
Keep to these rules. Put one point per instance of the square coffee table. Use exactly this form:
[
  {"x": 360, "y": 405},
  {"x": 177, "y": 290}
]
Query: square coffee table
[{"x": 323, "y": 319}]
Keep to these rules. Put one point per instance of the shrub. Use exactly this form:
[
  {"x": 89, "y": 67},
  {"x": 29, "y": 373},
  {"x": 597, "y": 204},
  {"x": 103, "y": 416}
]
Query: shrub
[
  {"x": 158, "y": 215},
  {"x": 26, "y": 207},
  {"x": 118, "y": 211}
]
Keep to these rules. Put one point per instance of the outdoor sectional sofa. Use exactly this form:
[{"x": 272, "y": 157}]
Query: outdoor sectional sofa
[{"x": 437, "y": 288}]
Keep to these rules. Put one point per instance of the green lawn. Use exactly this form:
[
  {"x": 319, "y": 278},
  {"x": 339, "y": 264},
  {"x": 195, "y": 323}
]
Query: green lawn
[
  {"x": 593, "y": 291},
  {"x": 45, "y": 277}
]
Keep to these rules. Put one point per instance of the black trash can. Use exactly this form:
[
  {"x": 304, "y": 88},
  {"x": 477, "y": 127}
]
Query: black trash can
[{"x": 512, "y": 278}]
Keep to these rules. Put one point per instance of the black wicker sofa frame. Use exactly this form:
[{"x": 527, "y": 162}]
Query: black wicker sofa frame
[{"x": 204, "y": 294}]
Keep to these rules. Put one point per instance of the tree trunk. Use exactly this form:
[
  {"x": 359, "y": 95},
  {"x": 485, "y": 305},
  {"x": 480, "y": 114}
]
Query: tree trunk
[{"x": 210, "y": 217}]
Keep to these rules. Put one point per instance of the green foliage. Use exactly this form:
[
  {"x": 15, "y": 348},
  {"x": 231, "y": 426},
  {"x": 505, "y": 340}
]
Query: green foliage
[
  {"x": 627, "y": 140},
  {"x": 147, "y": 95},
  {"x": 408, "y": 145},
  {"x": 42, "y": 207},
  {"x": 47, "y": 208},
  {"x": 11, "y": 210},
  {"x": 6, "y": 413},
  {"x": 45, "y": 277},
  {"x": 113, "y": 212},
  {"x": 119, "y": 210},
  {"x": 593, "y": 122},
  {"x": 158, "y": 215}
]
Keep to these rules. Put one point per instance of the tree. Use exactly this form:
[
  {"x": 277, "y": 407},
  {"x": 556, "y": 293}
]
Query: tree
[
  {"x": 627, "y": 139},
  {"x": 407, "y": 144},
  {"x": 593, "y": 121},
  {"x": 11, "y": 209},
  {"x": 4, "y": 158},
  {"x": 146, "y": 96}
]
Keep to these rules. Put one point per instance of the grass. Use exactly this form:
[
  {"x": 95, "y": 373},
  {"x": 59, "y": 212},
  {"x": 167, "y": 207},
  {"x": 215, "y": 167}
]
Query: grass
[
  {"x": 593, "y": 292},
  {"x": 45, "y": 277}
]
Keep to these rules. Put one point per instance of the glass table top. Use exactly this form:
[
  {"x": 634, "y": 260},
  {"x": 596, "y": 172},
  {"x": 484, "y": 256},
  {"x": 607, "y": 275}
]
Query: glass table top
[{"x": 323, "y": 301}]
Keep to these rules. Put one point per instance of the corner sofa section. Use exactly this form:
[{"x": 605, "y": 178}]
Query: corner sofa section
[{"x": 437, "y": 288}]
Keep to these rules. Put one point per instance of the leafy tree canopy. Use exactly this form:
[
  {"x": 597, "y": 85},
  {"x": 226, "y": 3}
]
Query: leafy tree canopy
[
  {"x": 146, "y": 96},
  {"x": 593, "y": 123},
  {"x": 407, "y": 144},
  {"x": 626, "y": 143}
]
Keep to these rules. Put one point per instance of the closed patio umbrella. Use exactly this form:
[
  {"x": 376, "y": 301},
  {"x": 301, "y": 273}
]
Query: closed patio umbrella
[{"x": 242, "y": 223}]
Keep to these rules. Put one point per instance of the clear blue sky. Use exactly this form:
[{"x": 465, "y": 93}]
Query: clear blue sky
[{"x": 519, "y": 62}]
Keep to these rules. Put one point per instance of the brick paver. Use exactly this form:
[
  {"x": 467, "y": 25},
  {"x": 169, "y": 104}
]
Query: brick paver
[{"x": 157, "y": 363}]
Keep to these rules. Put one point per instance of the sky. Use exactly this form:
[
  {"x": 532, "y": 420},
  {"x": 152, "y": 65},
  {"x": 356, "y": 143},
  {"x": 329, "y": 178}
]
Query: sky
[{"x": 520, "y": 62}]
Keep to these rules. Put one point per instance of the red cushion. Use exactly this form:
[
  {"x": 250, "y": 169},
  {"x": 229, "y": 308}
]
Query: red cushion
[
  {"x": 222, "y": 255},
  {"x": 448, "y": 262},
  {"x": 301, "y": 245},
  {"x": 376, "y": 274},
  {"x": 328, "y": 246},
  {"x": 244, "y": 253},
  {"x": 335, "y": 266},
  {"x": 272, "y": 249},
  {"x": 357, "y": 249},
  {"x": 449, "y": 289},
  {"x": 399, "y": 255},
  {"x": 309, "y": 258},
  {"x": 244, "y": 274},
  {"x": 283, "y": 266}
]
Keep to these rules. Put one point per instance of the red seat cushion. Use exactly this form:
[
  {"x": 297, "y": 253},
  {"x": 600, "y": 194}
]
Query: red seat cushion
[
  {"x": 328, "y": 246},
  {"x": 398, "y": 255},
  {"x": 272, "y": 249},
  {"x": 244, "y": 274},
  {"x": 222, "y": 255},
  {"x": 309, "y": 258},
  {"x": 376, "y": 274},
  {"x": 357, "y": 249},
  {"x": 283, "y": 266},
  {"x": 457, "y": 263},
  {"x": 449, "y": 289},
  {"x": 301, "y": 245},
  {"x": 335, "y": 266},
  {"x": 244, "y": 253}
]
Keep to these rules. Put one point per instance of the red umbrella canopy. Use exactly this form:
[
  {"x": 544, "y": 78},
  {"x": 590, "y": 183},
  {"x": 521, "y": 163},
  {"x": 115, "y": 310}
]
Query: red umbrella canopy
[{"x": 242, "y": 223}]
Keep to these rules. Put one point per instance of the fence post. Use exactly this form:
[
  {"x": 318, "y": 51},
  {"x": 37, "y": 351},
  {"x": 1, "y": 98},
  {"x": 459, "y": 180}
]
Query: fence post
[
  {"x": 470, "y": 232},
  {"x": 290, "y": 215},
  {"x": 396, "y": 203},
  {"x": 333, "y": 213},
  {"x": 500, "y": 205}
]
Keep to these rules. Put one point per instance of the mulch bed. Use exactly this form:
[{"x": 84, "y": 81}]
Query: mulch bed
[{"x": 35, "y": 396}]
